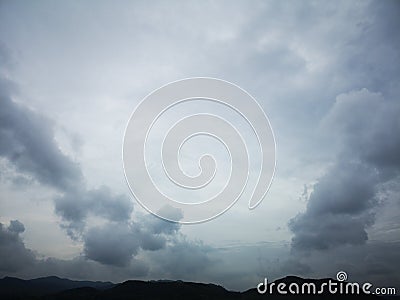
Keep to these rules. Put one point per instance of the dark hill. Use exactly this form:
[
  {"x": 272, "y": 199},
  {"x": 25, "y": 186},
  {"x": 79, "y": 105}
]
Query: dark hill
[
  {"x": 15, "y": 288},
  {"x": 50, "y": 288},
  {"x": 168, "y": 290}
]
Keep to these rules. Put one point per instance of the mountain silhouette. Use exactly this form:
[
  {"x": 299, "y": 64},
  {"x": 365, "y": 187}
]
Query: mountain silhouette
[
  {"x": 15, "y": 288},
  {"x": 49, "y": 288}
]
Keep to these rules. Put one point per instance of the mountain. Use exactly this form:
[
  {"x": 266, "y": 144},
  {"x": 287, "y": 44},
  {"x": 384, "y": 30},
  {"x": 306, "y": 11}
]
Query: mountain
[
  {"x": 15, "y": 288},
  {"x": 50, "y": 288}
]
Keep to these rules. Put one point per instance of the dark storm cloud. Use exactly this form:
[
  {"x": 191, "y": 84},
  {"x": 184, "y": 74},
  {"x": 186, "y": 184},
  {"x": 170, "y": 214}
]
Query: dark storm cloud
[
  {"x": 14, "y": 256},
  {"x": 342, "y": 205}
]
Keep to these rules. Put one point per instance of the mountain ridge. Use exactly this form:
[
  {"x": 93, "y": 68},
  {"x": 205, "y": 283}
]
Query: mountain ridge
[{"x": 53, "y": 287}]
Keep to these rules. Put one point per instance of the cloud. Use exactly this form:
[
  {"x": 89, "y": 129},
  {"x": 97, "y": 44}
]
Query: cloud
[
  {"x": 16, "y": 227},
  {"x": 157, "y": 225},
  {"x": 28, "y": 143},
  {"x": 30, "y": 147},
  {"x": 76, "y": 205},
  {"x": 375, "y": 262},
  {"x": 182, "y": 259},
  {"x": 366, "y": 124},
  {"x": 23, "y": 262},
  {"x": 342, "y": 204},
  {"x": 148, "y": 233},
  {"x": 14, "y": 255},
  {"x": 114, "y": 244},
  {"x": 111, "y": 252}
]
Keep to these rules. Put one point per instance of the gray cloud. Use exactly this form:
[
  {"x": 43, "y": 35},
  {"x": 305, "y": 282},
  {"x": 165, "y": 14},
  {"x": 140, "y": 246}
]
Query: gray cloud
[
  {"x": 114, "y": 244},
  {"x": 366, "y": 123},
  {"x": 76, "y": 205},
  {"x": 182, "y": 259},
  {"x": 157, "y": 225},
  {"x": 14, "y": 255},
  {"x": 376, "y": 262},
  {"x": 362, "y": 126},
  {"x": 31, "y": 148},
  {"x": 110, "y": 254},
  {"x": 342, "y": 205},
  {"x": 148, "y": 233},
  {"x": 21, "y": 261},
  {"x": 16, "y": 227},
  {"x": 28, "y": 143}
]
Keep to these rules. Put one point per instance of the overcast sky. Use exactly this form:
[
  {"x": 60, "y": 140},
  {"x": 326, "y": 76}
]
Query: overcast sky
[{"x": 326, "y": 73}]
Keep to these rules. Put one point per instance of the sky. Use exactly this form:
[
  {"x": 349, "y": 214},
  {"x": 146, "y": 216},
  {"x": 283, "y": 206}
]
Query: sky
[{"x": 326, "y": 74}]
